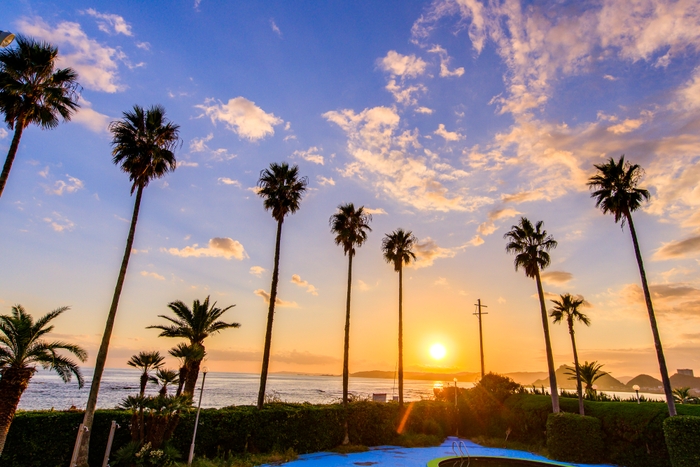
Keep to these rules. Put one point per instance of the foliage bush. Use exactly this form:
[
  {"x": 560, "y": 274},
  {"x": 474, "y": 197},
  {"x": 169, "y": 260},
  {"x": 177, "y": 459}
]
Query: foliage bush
[
  {"x": 573, "y": 438},
  {"x": 682, "y": 435}
]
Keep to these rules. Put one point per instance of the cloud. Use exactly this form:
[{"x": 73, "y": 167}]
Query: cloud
[
  {"x": 257, "y": 270},
  {"x": 95, "y": 63},
  {"x": 688, "y": 96},
  {"x": 441, "y": 281},
  {"x": 200, "y": 144},
  {"x": 90, "y": 118},
  {"x": 311, "y": 155},
  {"x": 448, "y": 135},
  {"x": 675, "y": 299},
  {"x": 296, "y": 279},
  {"x": 218, "y": 248},
  {"x": 427, "y": 251},
  {"x": 110, "y": 23},
  {"x": 59, "y": 223},
  {"x": 375, "y": 212},
  {"x": 630, "y": 124},
  {"x": 388, "y": 159},
  {"x": 610, "y": 77},
  {"x": 3, "y": 133},
  {"x": 242, "y": 117},
  {"x": 323, "y": 181},
  {"x": 275, "y": 28},
  {"x": 154, "y": 275},
  {"x": 228, "y": 181},
  {"x": 556, "y": 277},
  {"x": 278, "y": 301},
  {"x": 423, "y": 110},
  {"x": 70, "y": 186},
  {"x": 182, "y": 163},
  {"x": 445, "y": 62},
  {"x": 679, "y": 249},
  {"x": 403, "y": 93},
  {"x": 408, "y": 66},
  {"x": 489, "y": 227},
  {"x": 143, "y": 45}
]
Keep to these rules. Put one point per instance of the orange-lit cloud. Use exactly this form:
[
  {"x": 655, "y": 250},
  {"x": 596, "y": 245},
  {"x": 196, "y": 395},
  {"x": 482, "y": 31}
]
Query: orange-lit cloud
[{"x": 218, "y": 248}]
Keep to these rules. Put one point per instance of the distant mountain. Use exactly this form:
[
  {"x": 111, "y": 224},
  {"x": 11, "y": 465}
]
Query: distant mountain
[
  {"x": 604, "y": 383},
  {"x": 646, "y": 383},
  {"x": 526, "y": 378},
  {"x": 624, "y": 379},
  {"x": 685, "y": 381}
]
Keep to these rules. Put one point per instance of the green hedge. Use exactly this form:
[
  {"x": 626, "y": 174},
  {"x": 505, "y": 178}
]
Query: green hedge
[
  {"x": 573, "y": 438},
  {"x": 683, "y": 440}
]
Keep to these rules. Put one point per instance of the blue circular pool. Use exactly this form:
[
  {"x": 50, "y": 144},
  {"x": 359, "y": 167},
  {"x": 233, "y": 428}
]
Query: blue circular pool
[{"x": 479, "y": 461}]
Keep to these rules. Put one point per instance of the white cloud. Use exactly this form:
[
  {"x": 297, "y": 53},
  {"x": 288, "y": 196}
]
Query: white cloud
[
  {"x": 90, "y": 118},
  {"x": 278, "y": 301},
  {"x": 95, "y": 63},
  {"x": 424, "y": 110},
  {"x": 489, "y": 227},
  {"x": 218, "y": 247},
  {"x": 229, "y": 181},
  {"x": 257, "y": 270},
  {"x": 110, "y": 23},
  {"x": 143, "y": 45},
  {"x": 154, "y": 275},
  {"x": 311, "y": 155},
  {"x": 375, "y": 212},
  {"x": 200, "y": 144},
  {"x": 297, "y": 280},
  {"x": 404, "y": 94},
  {"x": 323, "y": 181},
  {"x": 688, "y": 95},
  {"x": 182, "y": 163},
  {"x": 448, "y": 135},
  {"x": 610, "y": 77},
  {"x": 242, "y": 117},
  {"x": 275, "y": 28},
  {"x": 59, "y": 223},
  {"x": 3, "y": 133},
  {"x": 445, "y": 59},
  {"x": 399, "y": 65},
  {"x": 427, "y": 251},
  {"x": 630, "y": 124},
  {"x": 71, "y": 185}
]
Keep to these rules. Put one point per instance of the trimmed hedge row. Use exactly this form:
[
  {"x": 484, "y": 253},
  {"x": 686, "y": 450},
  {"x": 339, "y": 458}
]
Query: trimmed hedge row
[
  {"x": 573, "y": 438},
  {"x": 683, "y": 440}
]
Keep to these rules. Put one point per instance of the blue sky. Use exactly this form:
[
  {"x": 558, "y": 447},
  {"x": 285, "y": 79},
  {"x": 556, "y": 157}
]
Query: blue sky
[{"x": 449, "y": 118}]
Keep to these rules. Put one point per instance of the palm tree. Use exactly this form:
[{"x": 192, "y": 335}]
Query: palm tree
[
  {"x": 281, "y": 189},
  {"x": 186, "y": 354},
  {"x": 397, "y": 248},
  {"x": 195, "y": 325},
  {"x": 21, "y": 349},
  {"x": 163, "y": 378},
  {"x": 146, "y": 361},
  {"x": 32, "y": 91},
  {"x": 142, "y": 144},
  {"x": 530, "y": 245},
  {"x": 683, "y": 396},
  {"x": 616, "y": 192},
  {"x": 566, "y": 308},
  {"x": 350, "y": 227},
  {"x": 589, "y": 373}
]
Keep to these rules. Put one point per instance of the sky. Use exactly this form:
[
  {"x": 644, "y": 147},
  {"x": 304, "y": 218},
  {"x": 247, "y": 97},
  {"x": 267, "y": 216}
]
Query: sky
[{"x": 451, "y": 119}]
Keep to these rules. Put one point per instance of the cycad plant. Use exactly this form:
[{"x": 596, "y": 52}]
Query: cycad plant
[
  {"x": 350, "y": 227},
  {"x": 143, "y": 142},
  {"x": 531, "y": 245},
  {"x": 616, "y": 191},
  {"x": 567, "y": 309},
  {"x": 281, "y": 189},
  {"x": 22, "y": 348},
  {"x": 397, "y": 249},
  {"x": 164, "y": 378},
  {"x": 146, "y": 361},
  {"x": 33, "y": 92}
]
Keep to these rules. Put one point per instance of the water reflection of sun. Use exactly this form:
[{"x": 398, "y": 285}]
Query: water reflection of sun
[{"x": 438, "y": 351}]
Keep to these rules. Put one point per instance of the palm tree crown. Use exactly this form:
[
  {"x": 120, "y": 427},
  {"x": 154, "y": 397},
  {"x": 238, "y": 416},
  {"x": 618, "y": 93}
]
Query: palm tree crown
[
  {"x": 350, "y": 227},
  {"x": 397, "y": 248},
  {"x": 615, "y": 188},
  {"x": 143, "y": 143},
  {"x": 590, "y": 373},
  {"x": 567, "y": 308},
  {"x": 146, "y": 361},
  {"x": 281, "y": 188},
  {"x": 22, "y": 346},
  {"x": 530, "y": 245},
  {"x": 32, "y": 91},
  {"x": 194, "y": 324}
]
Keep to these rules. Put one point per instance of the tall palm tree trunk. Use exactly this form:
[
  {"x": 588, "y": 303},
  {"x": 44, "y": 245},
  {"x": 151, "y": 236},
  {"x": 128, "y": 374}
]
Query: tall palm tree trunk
[
  {"x": 181, "y": 379},
  {"x": 191, "y": 380},
  {"x": 13, "y": 383},
  {"x": 548, "y": 346},
  {"x": 401, "y": 337},
  {"x": 579, "y": 390},
  {"x": 104, "y": 345},
  {"x": 19, "y": 128},
  {"x": 346, "y": 349},
  {"x": 270, "y": 316},
  {"x": 652, "y": 319},
  {"x": 144, "y": 382}
]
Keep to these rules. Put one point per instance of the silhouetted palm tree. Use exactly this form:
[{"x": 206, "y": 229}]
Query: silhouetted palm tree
[
  {"x": 21, "y": 349},
  {"x": 195, "y": 325},
  {"x": 350, "y": 227},
  {"x": 683, "y": 396},
  {"x": 142, "y": 145},
  {"x": 566, "y": 308},
  {"x": 163, "y": 378},
  {"x": 32, "y": 91},
  {"x": 530, "y": 245},
  {"x": 281, "y": 188},
  {"x": 146, "y": 361},
  {"x": 616, "y": 192},
  {"x": 397, "y": 248},
  {"x": 589, "y": 373},
  {"x": 187, "y": 354}
]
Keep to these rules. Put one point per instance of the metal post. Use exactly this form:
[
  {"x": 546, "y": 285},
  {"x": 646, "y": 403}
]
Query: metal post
[
  {"x": 455, "y": 393},
  {"x": 481, "y": 337},
  {"x": 105, "y": 462},
  {"x": 196, "y": 420},
  {"x": 74, "y": 460},
  {"x": 636, "y": 389}
]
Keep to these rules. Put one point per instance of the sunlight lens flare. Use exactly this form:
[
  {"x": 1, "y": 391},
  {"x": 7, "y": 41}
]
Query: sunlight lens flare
[{"x": 438, "y": 351}]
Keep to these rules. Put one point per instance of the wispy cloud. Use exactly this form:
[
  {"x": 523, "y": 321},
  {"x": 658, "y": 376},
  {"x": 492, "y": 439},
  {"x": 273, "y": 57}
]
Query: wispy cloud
[
  {"x": 278, "y": 301},
  {"x": 297, "y": 280},
  {"x": 257, "y": 271},
  {"x": 275, "y": 28},
  {"x": 311, "y": 155},
  {"x": 242, "y": 117},
  {"x": 153, "y": 275},
  {"x": 110, "y": 23}
]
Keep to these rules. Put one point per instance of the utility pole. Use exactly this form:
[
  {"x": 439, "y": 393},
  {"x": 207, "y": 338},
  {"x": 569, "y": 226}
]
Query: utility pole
[{"x": 478, "y": 313}]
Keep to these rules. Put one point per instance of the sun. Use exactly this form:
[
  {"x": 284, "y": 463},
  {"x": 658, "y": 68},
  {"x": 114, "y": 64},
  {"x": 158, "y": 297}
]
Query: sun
[{"x": 438, "y": 351}]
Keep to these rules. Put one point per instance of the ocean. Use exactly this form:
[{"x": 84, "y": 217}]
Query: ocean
[{"x": 47, "y": 391}]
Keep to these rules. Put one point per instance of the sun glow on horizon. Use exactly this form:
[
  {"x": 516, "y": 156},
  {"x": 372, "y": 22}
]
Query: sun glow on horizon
[{"x": 438, "y": 351}]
